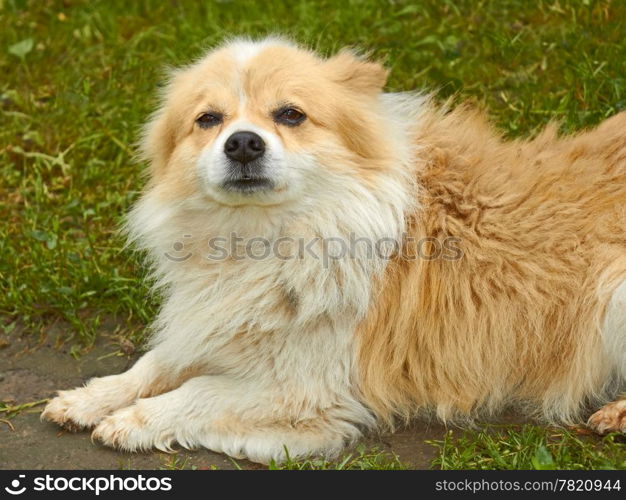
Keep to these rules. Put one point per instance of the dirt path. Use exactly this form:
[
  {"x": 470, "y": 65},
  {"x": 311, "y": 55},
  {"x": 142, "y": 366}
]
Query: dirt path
[{"x": 31, "y": 371}]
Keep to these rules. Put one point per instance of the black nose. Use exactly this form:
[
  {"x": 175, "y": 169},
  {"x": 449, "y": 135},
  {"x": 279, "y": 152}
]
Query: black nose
[{"x": 244, "y": 146}]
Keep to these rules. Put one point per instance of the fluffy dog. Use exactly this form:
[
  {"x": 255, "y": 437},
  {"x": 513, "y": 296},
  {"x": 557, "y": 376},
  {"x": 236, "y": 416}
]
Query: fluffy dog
[{"x": 265, "y": 145}]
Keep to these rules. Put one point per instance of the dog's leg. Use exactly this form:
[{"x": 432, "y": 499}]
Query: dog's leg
[
  {"x": 85, "y": 406},
  {"x": 240, "y": 419},
  {"x": 612, "y": 417}
]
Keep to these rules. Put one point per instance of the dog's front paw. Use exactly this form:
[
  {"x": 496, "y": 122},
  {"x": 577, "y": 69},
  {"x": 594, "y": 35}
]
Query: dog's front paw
[
  {"x": 128, "y": 429},
  {"x": 75, "y": 410},
  {"x": 609, "y": 418}
]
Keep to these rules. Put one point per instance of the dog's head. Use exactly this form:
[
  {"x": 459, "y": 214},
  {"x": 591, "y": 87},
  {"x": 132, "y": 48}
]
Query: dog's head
[{"x": 265, "y": 123}]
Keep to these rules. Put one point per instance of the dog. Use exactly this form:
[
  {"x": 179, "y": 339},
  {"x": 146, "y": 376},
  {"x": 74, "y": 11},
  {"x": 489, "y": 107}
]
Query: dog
[{"x": 482, "y": 273}]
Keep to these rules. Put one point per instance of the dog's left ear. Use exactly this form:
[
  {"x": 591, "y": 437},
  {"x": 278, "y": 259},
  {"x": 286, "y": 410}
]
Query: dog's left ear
[{"x": 347, "y": 68}]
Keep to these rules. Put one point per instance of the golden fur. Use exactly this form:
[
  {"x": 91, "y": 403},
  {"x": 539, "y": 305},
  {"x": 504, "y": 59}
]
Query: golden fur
[{"x": 542, "y": 225}]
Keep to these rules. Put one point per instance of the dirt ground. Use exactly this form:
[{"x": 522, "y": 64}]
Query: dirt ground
[{"x": 31, "y": 370}]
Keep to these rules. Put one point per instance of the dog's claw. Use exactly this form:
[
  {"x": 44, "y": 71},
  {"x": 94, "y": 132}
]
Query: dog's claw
[{"x": 609, "y": 418}]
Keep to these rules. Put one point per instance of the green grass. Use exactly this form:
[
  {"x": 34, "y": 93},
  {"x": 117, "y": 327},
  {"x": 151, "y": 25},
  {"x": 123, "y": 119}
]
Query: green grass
[
  {"x": 9, "y": 410},
  {"x": 79, "y": 78},
  {"x": 362, "y": 459},
  {"x": 529, "y": 447}
]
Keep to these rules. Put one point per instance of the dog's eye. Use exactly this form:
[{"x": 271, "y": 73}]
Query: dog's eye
[
  {"x": 206, "y": 120},
  {"x": 289, "y": 116}
]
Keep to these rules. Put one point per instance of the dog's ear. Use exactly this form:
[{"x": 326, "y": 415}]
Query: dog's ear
[
  {"x": 157, "y": 141},
  {"x": 348, "y": 69},
  {"x": 158, "y": 137}
]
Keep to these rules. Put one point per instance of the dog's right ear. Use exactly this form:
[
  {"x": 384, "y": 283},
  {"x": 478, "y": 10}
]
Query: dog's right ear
[
  {"x": 159, "y": 134},
  {"x": 157, "y": 141},
  {"x": 348, "y": 69}
]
